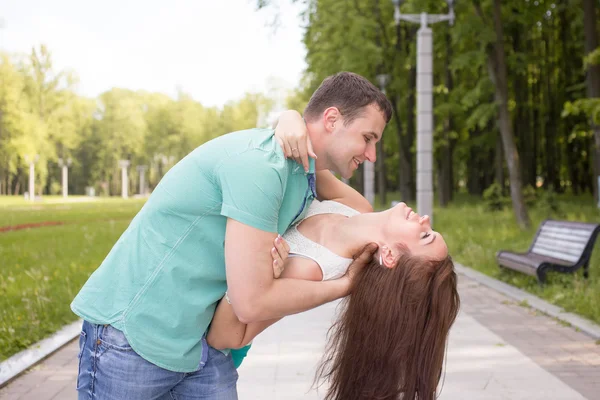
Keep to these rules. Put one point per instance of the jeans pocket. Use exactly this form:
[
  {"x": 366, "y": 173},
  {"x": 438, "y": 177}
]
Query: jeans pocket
[
  {"x": 82, "y": 342},
  {"x": 114, "y": 339}
]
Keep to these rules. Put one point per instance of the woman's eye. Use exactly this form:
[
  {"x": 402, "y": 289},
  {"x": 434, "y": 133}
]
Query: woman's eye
[{"x": 425, "y": 235}]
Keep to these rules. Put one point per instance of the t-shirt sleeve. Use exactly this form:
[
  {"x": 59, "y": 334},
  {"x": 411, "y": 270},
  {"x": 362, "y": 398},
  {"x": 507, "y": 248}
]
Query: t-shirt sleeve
[{"x": 252, "y": 184}]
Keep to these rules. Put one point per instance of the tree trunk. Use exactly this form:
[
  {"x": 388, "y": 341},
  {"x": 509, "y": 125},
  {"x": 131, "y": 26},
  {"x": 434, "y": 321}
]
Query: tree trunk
[
  {"x": 551, "y": 128},
  {"x": 499, "y": 164},
  {"x": 593, "y": 80},
  {"x": 497, "y": 64},
  {"x": 404, "y": 162}
]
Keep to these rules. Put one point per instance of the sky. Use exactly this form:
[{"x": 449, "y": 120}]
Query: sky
[{"x": 214, "y": 51}]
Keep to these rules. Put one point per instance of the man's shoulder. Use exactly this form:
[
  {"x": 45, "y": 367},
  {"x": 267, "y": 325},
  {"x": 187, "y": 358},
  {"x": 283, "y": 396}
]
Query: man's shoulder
[{"x": 254, "y": 150}]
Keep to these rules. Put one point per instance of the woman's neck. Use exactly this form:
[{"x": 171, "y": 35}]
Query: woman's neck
[{"x": 350, "y": 235}]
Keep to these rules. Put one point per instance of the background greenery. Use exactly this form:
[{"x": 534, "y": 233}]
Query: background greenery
[
  {"x": 44, "y": 268},
  {"x": 538, "y": 78}
]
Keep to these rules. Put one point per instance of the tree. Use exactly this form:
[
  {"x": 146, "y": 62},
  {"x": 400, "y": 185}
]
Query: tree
[{"x": 497, "y": 70}]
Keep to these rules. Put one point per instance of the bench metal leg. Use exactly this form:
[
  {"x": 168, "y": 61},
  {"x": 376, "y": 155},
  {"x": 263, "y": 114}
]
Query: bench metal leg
[
  {"x": 541, "y": 275},
  {"x": 586, "y": 270}
]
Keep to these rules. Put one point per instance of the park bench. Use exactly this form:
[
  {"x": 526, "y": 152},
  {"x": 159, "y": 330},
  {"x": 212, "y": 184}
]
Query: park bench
[{"x": 562, "y": 246}]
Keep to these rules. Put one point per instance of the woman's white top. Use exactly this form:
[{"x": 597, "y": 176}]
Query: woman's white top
[{"x": 332, "y": 265}]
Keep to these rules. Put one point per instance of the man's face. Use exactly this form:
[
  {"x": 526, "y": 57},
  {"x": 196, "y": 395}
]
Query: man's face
[{"x": 355, "y": 143}]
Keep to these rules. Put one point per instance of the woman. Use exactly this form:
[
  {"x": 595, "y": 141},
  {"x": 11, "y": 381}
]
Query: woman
[{"x": 390, "y": 338}]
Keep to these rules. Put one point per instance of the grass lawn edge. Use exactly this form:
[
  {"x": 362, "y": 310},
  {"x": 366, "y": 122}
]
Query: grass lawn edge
[{"x": 20, "y": 362}]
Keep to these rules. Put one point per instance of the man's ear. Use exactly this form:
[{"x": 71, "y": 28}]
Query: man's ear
[
  {"x": 331, "y": 118},
  {"x": 388, "y": 259}
]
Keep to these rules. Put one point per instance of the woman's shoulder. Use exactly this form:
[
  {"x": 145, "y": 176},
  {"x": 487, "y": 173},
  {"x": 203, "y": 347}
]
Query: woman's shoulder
[{"x": 330, "y": 207}]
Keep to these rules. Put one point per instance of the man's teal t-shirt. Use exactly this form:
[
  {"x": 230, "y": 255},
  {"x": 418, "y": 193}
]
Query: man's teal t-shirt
[{"x": 161, "y": 281}]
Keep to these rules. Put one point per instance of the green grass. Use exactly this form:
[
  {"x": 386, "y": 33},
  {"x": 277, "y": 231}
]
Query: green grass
[
  {"x": 42, "y": 269},
  {"x": 474, "y": 235},
  {"x": 16, "y": 211}
]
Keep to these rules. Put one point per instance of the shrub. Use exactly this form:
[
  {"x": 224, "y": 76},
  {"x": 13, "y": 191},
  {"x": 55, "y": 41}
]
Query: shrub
[
  {"x": 548, "y": 204},
  {"x": 529, "y": 196},
  {"x": 493, "y": 197}
]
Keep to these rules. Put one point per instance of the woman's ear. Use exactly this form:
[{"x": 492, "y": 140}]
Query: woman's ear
[{"x": 386, "y": 258}]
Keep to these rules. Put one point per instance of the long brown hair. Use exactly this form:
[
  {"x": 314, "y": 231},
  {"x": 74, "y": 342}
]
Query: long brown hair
[{"x": 390, "y": 338}]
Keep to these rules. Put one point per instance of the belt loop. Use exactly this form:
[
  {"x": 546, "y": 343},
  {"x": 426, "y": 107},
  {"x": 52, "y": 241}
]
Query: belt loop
[{"x": 204, "y": 357}]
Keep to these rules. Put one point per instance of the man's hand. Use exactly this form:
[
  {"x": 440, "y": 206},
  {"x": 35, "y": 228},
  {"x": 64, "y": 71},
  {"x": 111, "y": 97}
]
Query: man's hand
[
  {"x": 361, "y": 260},
  {"x": 280, "y": 253},
  {"x": 292, "y": 136}
]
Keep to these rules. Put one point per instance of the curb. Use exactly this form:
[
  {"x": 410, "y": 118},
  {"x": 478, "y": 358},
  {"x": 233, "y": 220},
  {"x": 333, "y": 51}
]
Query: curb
[
  {"x": 22, "y": 361},
  {"x": 584, "y": 325}
]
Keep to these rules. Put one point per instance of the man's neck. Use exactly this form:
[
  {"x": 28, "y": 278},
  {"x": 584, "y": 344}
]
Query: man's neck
[{"x": 318, "y": 138}]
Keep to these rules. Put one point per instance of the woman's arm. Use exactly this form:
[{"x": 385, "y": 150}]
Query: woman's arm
[
  {"x": 331, "y": 188},
  {"x": 292, "y": 136}
]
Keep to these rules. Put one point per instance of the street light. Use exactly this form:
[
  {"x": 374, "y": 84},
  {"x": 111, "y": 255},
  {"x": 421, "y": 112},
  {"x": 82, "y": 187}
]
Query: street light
[
  {"x": 383, "y": 80},
  {"x": 424, "y": 101}
]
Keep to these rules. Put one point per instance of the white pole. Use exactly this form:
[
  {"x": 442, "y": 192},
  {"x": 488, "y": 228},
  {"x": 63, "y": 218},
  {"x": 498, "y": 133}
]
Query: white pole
[
  {"x": 31, "y": 181},
  {"x": 124, "y": 178},
  {"x": 142, "y": 171},
  {"x": 369, "y": 181},
  {"x": 425, "y": 119},
  {"x": 65, "y": 180}
]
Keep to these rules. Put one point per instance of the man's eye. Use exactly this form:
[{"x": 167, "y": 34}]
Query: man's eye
[{"x": 367, "y": 139}]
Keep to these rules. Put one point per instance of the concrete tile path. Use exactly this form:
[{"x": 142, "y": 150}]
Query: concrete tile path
[{"x": 497, "y": 350}]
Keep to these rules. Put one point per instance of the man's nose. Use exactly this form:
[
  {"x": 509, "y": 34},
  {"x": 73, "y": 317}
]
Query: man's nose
[{"x": 371, "y": 153}]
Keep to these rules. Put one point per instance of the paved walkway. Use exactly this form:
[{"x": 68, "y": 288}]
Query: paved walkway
[{"x": 498, "y": 350}]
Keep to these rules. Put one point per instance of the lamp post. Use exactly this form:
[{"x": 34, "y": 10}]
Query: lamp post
[
  {"x": 65, "y": 175},
  {"x": 383, "y": 80},
  {"x": 32, "y": 160},
  {"x": 124, "y": 164},
  {"x": 424, "y": 101}
]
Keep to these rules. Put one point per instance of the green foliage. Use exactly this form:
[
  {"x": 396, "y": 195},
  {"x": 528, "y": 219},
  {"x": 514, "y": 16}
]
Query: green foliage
[
  {"x": 549, "y": 205},
  {"x": 41, "y": 115},
  {"x": 588, "y": 107},
  {"x": 529, "y": 196},
  {"x": 593, "y": 58},
  {"x": 493, "y": 198}
]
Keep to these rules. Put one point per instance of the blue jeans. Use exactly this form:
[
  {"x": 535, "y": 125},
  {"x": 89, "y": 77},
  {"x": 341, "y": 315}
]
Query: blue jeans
[{"x": 109, "y": 369}]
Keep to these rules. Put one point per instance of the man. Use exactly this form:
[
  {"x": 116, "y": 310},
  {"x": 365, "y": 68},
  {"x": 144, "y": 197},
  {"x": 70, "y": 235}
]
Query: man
[{"x": 208, "y": 227}]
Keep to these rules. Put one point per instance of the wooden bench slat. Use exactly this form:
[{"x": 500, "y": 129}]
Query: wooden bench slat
[
  {"x": 555, "y": 244},
  {"x": 561, "y": 255},
  {"x": 566, "y": 233}
]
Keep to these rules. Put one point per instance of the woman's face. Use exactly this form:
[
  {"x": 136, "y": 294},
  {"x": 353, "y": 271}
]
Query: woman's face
[{"x": 407, "y": 228}]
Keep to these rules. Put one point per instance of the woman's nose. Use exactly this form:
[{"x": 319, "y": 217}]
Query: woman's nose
[{"x": 425, "y": 220}]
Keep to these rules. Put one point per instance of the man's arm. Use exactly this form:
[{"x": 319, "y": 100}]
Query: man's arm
[
  {"x": 226, "y": 330},
  {"x": 255, "y": 295},
  {"x": 331, "y": 188}
]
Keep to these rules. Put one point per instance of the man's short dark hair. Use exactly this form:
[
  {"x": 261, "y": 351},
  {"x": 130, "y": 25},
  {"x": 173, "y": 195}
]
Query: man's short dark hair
[{"x": 350, "y": 93}]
